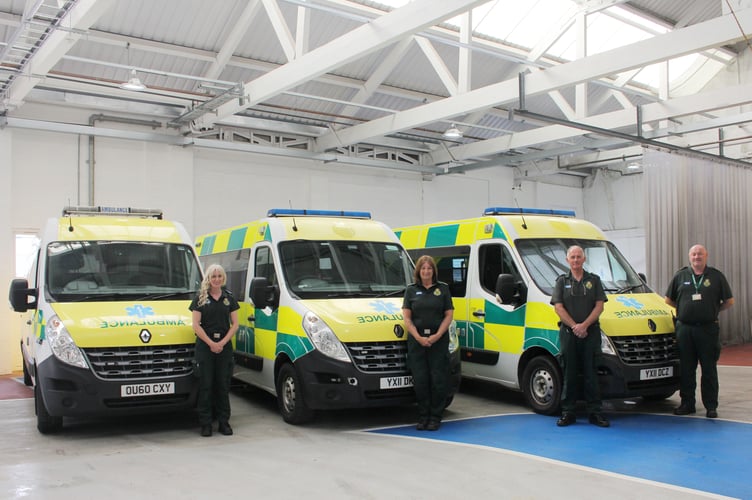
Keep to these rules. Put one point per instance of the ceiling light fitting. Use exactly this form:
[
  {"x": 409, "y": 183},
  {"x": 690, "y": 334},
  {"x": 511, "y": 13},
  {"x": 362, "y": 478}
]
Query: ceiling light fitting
[
  {"x": 453, "y": 133},
  {"x": 133, "y": 84}
]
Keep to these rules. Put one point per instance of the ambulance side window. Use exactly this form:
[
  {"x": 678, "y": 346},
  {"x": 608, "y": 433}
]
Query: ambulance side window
[
  {"x": 451, "y": 264},
  {"x": 235, "y": 264},
  {"x": 264, "y": 267},
  {"x": 493, "y": 260}
]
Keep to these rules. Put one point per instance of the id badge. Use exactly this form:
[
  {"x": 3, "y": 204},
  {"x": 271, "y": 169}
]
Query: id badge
[{"x": 696, "y": 296}]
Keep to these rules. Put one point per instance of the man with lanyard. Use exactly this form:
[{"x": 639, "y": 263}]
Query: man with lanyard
[
  {"x": 698, "y": 292},
  {"x": 578, "y": 299}
]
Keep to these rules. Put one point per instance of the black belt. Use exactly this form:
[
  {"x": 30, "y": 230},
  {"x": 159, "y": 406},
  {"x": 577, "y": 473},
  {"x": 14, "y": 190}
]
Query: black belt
[{"x": 691, "y": 323}]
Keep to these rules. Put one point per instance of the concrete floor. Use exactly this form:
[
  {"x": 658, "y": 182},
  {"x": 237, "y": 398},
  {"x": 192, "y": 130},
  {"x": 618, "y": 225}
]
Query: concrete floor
[{"x": 336, "y": 457}]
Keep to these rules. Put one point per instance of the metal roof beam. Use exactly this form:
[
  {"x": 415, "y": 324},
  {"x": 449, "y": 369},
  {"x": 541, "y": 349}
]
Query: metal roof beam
[
  {"x": 713, "y": 33},
  {"x": 233, "y": 40},
  {"x": 623, "y": 119},
  {"x": 370, "y": 37},
  {"x": 80, "y": 17}
]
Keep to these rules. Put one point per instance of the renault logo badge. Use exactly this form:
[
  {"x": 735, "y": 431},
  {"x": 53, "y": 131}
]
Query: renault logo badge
[
  {"x": 651, "y": 325},
  {"x": 145, "y": 336},
  {"x": 399, "y": 331}
]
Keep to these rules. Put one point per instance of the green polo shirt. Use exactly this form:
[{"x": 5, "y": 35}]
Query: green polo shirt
[
  {"x": 578, "y": 297},
  {"x": 428, "y": 305},
  {"x": 712, "y": 288}
]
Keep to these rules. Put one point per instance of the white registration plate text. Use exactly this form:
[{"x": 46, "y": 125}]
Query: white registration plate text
[
  {"x": 151, "y": 389},
  {"x": 653, "y": 373},
  {"x": 396, "y": 382}
]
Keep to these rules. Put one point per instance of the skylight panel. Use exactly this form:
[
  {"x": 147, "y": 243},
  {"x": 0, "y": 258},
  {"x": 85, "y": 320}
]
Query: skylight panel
[{"x": 525, "y": 23}]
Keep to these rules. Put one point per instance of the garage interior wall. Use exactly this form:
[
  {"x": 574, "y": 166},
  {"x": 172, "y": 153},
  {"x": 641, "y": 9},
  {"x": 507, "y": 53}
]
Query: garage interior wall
[
  {"x": 691, "y": 201},
  {"x": 206, "y": 189}
]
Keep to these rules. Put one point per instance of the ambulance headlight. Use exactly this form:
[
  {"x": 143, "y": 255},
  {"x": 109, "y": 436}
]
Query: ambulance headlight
[
  {"x": 323, "y": 337},
  {"x": 606, "y": 346},
  {"x": 62, "y": 344},
  {"x": 454, "y": 340}
]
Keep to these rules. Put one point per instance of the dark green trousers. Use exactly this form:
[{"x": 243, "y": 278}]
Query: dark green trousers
[
  {"x": 580, "y": 356},
  {"x": 215, "y": 372},
  {"x": 430, "y": 370},
  {"x": 699, "y": 343}
]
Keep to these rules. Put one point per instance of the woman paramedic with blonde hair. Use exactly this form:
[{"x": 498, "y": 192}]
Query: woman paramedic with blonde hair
[{"x": 215, "y": 321}]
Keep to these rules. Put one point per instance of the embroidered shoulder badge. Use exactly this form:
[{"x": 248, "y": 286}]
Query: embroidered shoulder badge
[
  {"x": 706, "y": 283},
  {"x": 226, "y": 301},
  {"x": 437, "y": 292},
  {"x": 588, "y": 285}
]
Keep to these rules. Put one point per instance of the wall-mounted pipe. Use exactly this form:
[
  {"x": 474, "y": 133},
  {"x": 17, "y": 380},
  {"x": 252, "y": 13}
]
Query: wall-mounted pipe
[{"x": 99, "y": 117}]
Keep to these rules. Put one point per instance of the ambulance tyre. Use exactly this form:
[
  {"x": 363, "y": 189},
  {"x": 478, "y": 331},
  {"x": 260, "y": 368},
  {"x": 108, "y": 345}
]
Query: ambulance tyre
[
  {"x": 46, "y": 423},
  {"x": 542, "y": 385},
  {"x": 290, "y": 397}
]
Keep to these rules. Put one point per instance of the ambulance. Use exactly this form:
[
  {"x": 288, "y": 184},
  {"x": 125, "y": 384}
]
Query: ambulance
[
  {"x": 501, "y": 269},
  {"x": 108, "y": 330},
  {"x": 320, "y": 295}
]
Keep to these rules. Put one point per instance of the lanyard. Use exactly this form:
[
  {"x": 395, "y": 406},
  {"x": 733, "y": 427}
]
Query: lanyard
[{"x": 697, "y": 283}]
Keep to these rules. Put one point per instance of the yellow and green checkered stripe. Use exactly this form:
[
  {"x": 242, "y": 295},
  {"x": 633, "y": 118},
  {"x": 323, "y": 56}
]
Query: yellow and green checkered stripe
[
  {"x": 450, "y": 234},
  {"x": 231, "y": 239}
]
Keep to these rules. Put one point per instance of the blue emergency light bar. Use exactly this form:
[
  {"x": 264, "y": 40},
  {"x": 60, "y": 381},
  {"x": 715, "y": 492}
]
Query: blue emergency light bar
[
  {"x": 527, "y": 211},
  {"x": 302, "y": 212}
]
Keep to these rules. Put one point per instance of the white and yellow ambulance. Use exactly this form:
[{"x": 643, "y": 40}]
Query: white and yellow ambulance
[
  {"x": 501, "y": 269},
  {"x": 108, "y": 329},
  {"x": 320, "y": 314}
]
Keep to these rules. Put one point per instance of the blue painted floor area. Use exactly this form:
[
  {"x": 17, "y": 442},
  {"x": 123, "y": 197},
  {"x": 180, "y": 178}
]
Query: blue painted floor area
[{"x": 710, "y": 455}]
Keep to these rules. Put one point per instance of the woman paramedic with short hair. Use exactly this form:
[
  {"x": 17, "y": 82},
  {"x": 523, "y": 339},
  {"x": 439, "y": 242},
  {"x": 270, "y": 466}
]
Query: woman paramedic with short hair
[
  {"x": 428, "y": 311},
  {"x": 215, "y": 321}
]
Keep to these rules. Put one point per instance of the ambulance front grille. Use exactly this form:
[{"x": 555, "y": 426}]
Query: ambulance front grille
[
  {"x": 646, "y": 349},
  {"x": 377, "y": 357},
  {"x": 122, "y": 363}
]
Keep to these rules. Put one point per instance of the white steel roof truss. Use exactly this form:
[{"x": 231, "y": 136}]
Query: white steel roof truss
[
  {"x": 380, "y": 32},
  {"x": 698, "y": 37}
]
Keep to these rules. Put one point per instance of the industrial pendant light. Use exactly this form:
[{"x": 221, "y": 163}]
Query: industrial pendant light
[
  {"x": 453, "y": 132},
  {"x": 134, "y": 83}
]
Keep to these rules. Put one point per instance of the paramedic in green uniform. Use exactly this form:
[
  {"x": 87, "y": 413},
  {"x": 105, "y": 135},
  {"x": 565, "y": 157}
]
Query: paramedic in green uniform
[
  {"x": 578, "y": 299},
  {"x": 215, "y": 321},
  {"x": 698, "y": 292},
  {"x": 428, "y": 312}
]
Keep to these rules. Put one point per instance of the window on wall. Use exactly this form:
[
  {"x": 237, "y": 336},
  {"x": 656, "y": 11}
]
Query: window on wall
[{"x": 27, "y": 246}]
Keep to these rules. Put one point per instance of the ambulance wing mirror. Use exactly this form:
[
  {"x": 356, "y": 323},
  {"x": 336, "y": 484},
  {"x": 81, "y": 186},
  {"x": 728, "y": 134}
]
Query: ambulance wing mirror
[
  {"x": 19, "y": 295},
  {"x": 509, "y": 291},
  {"x": 264, "y": 294}
]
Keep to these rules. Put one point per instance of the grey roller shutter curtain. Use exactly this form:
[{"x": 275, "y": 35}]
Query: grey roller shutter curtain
[{"x": 690, "y": 200}]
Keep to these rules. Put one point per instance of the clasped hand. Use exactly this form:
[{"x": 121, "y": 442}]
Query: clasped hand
[{"x": 580, "y": 330}]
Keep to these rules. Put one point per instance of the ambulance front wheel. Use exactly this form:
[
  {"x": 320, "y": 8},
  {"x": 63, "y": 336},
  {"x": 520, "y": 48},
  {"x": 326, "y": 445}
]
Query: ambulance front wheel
[
  {"x": 46, "y": 423},
  {"x": 541, "y": 383},
  {"x": 290, "y": 397}
]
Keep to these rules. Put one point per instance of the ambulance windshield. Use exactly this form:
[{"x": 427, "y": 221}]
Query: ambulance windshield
[
  {"x": 545, "y": 259},
  {"x": 120, "y": 270},
  {"x": 331, "y": 269}
]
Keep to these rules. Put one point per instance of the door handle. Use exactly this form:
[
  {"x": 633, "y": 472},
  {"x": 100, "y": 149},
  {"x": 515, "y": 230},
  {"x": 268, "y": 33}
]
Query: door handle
[
  {"x": 479, "y": 314},
  {"x": 251, "y": 318}
]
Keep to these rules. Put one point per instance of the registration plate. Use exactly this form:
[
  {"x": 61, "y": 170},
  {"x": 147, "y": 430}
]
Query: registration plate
[
  {"x": 396, "y": 382},
  {"x": 151, "y": 389},
  {"x": 653, "y": 373}
]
